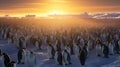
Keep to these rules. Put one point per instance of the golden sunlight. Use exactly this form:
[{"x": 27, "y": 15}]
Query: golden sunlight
[{"x": 56, "y": 12}]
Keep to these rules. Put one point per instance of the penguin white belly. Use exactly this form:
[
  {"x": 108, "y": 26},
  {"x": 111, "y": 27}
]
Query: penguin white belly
[
  {"x": 14, "y": 65},
  {"x": 31, "y": 61},
  {"x": 98, "y": 49},
  {"x": 77, "y": 51},
  {"x": 24, "y": 45},
  {"x": 1, "y": 61},
  {"x": 37, "y": 45},
  {"x": 9, "y": 40},
  {"x": 89, "y": 46},
  {"x": 111, "y": 48},
  {"x": 68, "y": 50},
  {"x": 65, "y": 58},
  {"x": 5, "y": 36},
  {"x": 56, "y": 58},
  {"x": 23, "y": 57},
  {"x": 49, "y": 52}
]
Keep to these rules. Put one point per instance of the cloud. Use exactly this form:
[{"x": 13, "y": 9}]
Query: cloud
[
  {"x": 12, "y": 4},
  {"x": 107, "y": 15},
  {"x": 71, "y": 6}
]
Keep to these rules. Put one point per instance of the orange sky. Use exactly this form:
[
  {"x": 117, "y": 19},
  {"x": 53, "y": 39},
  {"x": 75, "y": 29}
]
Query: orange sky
[{"x": 44, "y": 7}]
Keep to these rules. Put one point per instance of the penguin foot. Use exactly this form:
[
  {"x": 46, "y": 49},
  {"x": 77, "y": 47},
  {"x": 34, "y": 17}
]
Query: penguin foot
[
  {"x": 22, "y": 63},
  {"x": 60, "y": 63},
  {"x": 111, "y": 54},
  {"x": 70, "y": 63},
  {"x": 65, "y": 64},
  {"x": 99, "y": 55},
  {"x": 82, "y": 64}
]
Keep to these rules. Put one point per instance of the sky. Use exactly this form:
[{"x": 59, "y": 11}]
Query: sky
[{"x": 44, "y": 7}]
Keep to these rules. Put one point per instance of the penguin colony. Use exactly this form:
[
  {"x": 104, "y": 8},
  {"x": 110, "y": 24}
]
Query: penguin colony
[{"x": 60, "y": 45}]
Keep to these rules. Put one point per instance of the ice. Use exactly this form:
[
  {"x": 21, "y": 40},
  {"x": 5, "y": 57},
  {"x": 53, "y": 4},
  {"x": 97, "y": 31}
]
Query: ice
[{"x": 43, "y": 61}]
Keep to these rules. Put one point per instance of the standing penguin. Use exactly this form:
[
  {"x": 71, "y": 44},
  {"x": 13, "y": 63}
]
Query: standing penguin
[
  {"x": 66, "y": 57},
  {"x": 68, "y": 49},
  {"x": 77, "y": 50},
  {"x": 82, "y": 57},
  {"x": 31, "y": 60},
  {"x": 98, "y": 49},
  {"x": 20, "y": 43},
  {"x": 1, "y": 59},
  {"x": 51, "y": 51},
  {"x": 85, "y": 49},
  {"x": 21, "y": 56},
  {"x": 116, "y": 48},
  {"x": 38, "y": 44},
  {"x": 58, "y": 57},
  {"x": 111, "y": 48},
  {"x": 24, "y": 44},
  {"x": 105, "y": 51},
  {"x": 6, "y": 59}
]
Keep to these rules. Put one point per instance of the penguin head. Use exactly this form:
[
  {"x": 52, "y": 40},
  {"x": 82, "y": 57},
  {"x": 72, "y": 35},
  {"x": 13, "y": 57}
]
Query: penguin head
[
  {"x": 65, "y": 50},
  {"x": 4, "y": 53},
  {"x": 31, "y": 52},
  {"x": 49, "y": 44}
]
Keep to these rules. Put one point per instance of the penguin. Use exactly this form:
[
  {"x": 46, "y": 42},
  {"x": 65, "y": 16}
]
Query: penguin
[
  {"x": 90, "y": 46},
  {"x": 2, "y": 33},
  {"x": 31, "y": 60},
  {"x": 66, "y": 57},
  {"x": 1, "y": 59},
  {"x": 85, "y": 49},
  {"x": 20, "y": 43},
  {"x": 5, "y": 35},
  {"x": 6, "y": 59},
  {"x": 51, "y": 51},
  {"x": 99, "y": 49},
  {"x": 105, "y": 51},
  {"x": 111, "y": 48},
  {"x": 58, "y": 57},
  {"x": 24, "y": 44},
  {"x": 71, "y": 47},
  {"x": 38, "y": 44},
  {"x": 68, "y": 49},
  {"x": 21, "y": 56},
  {"x": 12, "y": 64},
  {"x": 82, "y": 57},
  {"x": 77, "y": 50},
  {"x": 116, "y": 47}
]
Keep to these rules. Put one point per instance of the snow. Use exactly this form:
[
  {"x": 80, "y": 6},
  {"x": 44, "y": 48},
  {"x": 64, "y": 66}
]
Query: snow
[{"x": 43, "y": 61}]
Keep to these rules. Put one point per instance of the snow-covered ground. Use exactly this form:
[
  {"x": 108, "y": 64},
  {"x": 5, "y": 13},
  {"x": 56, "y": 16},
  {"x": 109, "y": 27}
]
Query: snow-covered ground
[{"x": 43, "y": 61}]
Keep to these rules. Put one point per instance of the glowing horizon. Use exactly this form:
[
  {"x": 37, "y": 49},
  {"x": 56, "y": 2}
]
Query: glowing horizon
[{"x": 46, "y": 7}]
